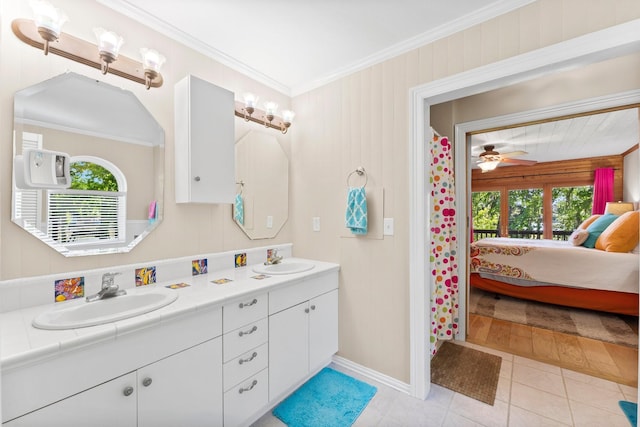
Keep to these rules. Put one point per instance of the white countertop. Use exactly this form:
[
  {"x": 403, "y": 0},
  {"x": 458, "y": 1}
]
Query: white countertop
[{"x": 22, "y": 343}]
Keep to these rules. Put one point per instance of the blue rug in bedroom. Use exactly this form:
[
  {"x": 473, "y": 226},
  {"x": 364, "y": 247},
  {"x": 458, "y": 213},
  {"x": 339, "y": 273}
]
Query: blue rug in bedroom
[{"x": 329, "y": 399}]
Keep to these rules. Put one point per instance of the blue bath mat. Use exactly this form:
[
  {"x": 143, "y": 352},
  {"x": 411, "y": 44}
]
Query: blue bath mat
[
  {"x": 329, "y": 399},
  {"x": 630, "y": 409}
]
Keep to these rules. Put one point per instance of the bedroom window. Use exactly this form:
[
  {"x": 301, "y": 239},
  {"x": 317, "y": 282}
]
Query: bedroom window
[
  {"x": 525, "y": 213},
  {"x": 570, "y": 206},
  {"x": 485, "y": 214}
]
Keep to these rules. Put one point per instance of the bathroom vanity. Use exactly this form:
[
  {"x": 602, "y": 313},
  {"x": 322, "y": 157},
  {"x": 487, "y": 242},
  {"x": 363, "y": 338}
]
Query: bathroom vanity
[{"x": 221, "y": 354}]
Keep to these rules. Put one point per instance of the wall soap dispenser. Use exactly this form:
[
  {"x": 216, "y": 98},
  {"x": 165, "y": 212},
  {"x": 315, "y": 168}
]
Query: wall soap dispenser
[{"x": 37, "y": 168}]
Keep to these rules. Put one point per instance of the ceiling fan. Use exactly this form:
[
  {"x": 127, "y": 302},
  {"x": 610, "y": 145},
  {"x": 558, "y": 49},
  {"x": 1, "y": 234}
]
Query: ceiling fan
[{"x": 489, "y": 159}]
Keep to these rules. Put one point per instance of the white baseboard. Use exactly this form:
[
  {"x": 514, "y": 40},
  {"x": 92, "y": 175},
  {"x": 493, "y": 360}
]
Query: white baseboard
[{"x": 374, "y": 375}]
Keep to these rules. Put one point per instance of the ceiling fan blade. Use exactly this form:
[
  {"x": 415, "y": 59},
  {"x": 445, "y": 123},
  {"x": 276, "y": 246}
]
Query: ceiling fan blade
[
  {"x": 519, "y": 161},
  {"x": 513, "y": 154}
]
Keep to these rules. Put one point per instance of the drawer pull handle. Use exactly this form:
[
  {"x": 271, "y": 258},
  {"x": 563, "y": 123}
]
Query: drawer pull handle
[
  {"x": 313, "y": 307},
  {"x": 196, "y": 179},
  {"x": 248, "y": 359},
  {"x": 248, "y": 304},
  {"x": 253, "y": 384},
  {"x": 306, "y": 310},
  {"x": 250, "y": 331},
  {"x": 128, "y": 391},
  {"x": 147, "y": 382}
]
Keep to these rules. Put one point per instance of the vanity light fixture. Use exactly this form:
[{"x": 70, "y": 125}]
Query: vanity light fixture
[
  {"x": 46, "y": 29},
  {"x": 152, "y": 60},
  {"x": 49, "y": 21},
  {"x": 109, "y": 44},
  {"x": 268, "y": 117}
]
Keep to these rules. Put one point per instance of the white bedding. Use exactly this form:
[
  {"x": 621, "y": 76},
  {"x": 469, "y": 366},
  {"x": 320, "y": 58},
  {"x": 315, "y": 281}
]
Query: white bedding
[{"x": 542, "y": 262}]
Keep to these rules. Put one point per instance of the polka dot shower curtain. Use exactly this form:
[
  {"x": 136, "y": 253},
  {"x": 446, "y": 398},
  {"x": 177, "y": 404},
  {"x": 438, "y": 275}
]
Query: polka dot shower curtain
[{"x": 443, "y": 258}]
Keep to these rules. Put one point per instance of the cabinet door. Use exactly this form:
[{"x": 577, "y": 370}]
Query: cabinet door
[
  {"x": 184, "y": 389},
  {"x": 288, "y": 348},
  {"x": 323, "y": 329},
  {"x": 110, "y": 404},
  {"x": 204, "y": 142}
]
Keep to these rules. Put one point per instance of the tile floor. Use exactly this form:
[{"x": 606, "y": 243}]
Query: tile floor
[{"x": 529, "y": 393}]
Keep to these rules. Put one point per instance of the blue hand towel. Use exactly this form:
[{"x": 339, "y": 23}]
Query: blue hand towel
[
  {"x": 238, "y": 209},
  {"x": 357, "y": 210}
]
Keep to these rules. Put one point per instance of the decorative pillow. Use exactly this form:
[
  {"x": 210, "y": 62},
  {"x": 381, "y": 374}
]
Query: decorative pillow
[
  {"x": 587, "y": 222},
  {"x": 621, "y": 235},
  {"x": 578, "y": 237},
  {"x": 596, "y": 228}
]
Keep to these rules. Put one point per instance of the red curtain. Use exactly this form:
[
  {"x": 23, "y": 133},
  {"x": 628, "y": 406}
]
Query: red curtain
[{"x": 602, "y": 190}]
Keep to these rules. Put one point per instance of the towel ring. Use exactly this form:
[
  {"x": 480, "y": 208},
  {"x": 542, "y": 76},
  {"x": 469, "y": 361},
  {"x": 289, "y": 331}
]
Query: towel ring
[
  {"x": 360, "y": 171},
  {"x": 241, "y": 183}
]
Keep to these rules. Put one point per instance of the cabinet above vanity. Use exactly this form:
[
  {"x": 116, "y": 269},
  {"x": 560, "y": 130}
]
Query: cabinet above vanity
[{"x": 204, "y": 142}]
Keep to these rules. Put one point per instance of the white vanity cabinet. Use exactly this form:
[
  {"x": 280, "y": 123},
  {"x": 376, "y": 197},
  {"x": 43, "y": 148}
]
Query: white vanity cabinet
[
  {"x": 183, "y": 389},
  {"x": 303, "y": 331},
  {"x": 204, "y": 142},
  {"x": 110, "y": 404}
]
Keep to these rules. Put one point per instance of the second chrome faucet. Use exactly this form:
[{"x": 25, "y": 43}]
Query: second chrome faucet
[{"x": 109, "y": 288}]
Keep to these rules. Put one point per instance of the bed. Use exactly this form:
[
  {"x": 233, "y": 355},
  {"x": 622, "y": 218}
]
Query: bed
[{"x": 557, "y": 272}]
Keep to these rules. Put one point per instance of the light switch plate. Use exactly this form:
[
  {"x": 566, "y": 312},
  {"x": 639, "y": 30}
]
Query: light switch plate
[
  {"x": 388, "y": 227},
  {"x": 269, "y": 221},
  {"x": 316, "y": 223}
]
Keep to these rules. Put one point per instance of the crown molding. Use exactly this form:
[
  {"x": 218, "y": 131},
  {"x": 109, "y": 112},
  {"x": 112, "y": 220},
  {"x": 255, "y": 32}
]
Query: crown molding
[
  {"x": 491, "y": 11},
  {"x": 140, "y": 15},
  {"x": 452, "y": 27}
]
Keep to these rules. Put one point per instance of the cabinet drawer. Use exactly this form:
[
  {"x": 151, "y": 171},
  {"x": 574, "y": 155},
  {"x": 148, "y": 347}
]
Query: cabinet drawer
[
  {"x": 289, "y": 296},
  {"x": 243, "y": 339},
  {"x": 246, "y": 399},
  {"x": 243, "y": 312},
  {"x": 245, "y": 365}
]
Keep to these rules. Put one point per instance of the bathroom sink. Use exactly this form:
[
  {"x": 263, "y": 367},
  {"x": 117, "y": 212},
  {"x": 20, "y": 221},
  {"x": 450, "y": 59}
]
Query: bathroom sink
[
  {"x": 284, "y": 268},
  {"x": 79, "y": 314}
]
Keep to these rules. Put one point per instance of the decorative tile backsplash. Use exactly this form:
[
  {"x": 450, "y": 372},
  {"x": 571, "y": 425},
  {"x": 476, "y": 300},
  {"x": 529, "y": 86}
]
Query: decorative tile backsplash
[
  {"x": 66, "y": 289},
  {"x": 241, "y": 259},
  {"x": 26, "y": 292},
  {"x": 199, "y": 266},
  {"x": 145, "y": 276}
]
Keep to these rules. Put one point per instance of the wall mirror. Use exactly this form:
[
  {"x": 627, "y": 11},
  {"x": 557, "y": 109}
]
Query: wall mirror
[
  {"x": 262, "y": 185},
  {"x": 116, "y": 151}
]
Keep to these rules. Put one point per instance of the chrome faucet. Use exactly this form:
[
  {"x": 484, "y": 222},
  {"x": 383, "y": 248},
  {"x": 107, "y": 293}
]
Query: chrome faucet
[
  {"x": 109, "y": 288},
  {"x": 274, "y": 258}
]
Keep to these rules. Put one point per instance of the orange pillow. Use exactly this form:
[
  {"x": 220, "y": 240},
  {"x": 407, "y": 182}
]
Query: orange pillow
[
  {"x": 622, "y": 235},
  {"x": 587, "y": 222}
]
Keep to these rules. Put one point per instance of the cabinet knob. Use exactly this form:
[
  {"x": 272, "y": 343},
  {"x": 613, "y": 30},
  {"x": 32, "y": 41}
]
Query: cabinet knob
[
  {"x": 313, "y": 307},
  {"x": 253, "y": 384},
  {"x": 147, "y": 382},
  {"x": 196, "y": 179},
  {"x": 306, "y": 310},
  {"x": 128, "y": 391}
]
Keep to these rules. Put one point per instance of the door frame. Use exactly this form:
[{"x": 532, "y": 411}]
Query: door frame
[{"x": 614, "y": 41}]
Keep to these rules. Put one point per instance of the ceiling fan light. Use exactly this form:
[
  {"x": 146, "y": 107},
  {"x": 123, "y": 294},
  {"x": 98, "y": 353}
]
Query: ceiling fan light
[{"x": 488, "y": 166}]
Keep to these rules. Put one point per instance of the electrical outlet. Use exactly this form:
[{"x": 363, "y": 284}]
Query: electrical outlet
[
  {"x": 316, "y": 223},
  {"x": 388, "y": 227}
]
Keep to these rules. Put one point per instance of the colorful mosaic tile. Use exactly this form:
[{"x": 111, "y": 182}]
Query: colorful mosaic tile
[
  {"x": 145, "y": 276},
  {"x": 241, "y": 259},
  {"x": 198, "y": 266},
  {"x": 177, "y": 286},
  {"x": 66, "y": 289}
]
